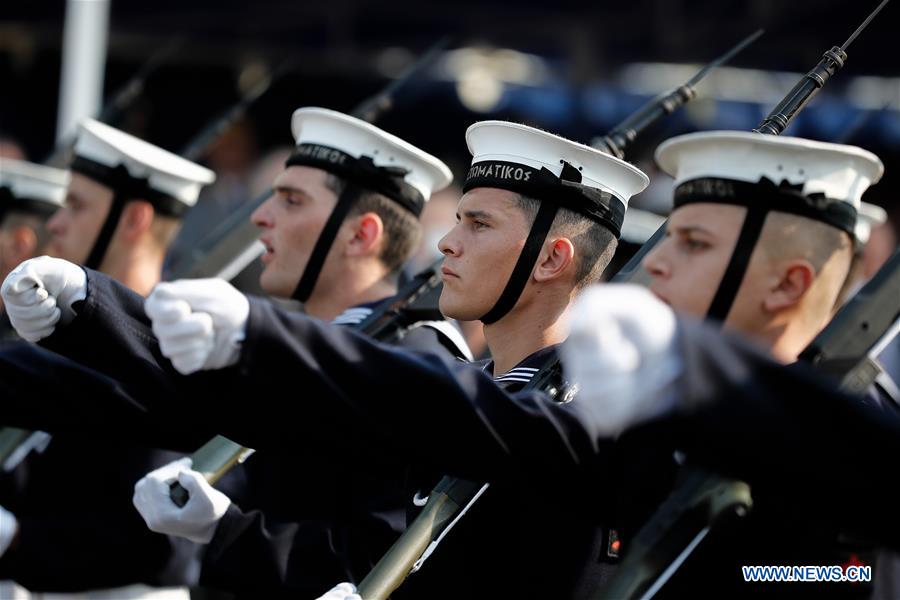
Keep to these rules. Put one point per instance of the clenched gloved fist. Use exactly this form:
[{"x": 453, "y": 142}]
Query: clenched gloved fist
[
  {"x": 200, "y": 323},
  {"x": 39, "y": 294},
  {"x": 621, "y": 351},
  {"x": 197, "y": 519}
]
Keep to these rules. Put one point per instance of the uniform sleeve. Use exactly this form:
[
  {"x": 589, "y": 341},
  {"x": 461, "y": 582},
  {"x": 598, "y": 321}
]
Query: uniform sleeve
[
  {"x": 121, "y": 369},
  {"x": 308, "y": 379},
  {"x": 787, "y": 431},
  {"x": 79, "y": 553},
  {"x": 252, "y": 552},
  {"x": 44, "y": 391},
  {"x": 112, "y": 335},
  {"x": 784, "y": 429}
]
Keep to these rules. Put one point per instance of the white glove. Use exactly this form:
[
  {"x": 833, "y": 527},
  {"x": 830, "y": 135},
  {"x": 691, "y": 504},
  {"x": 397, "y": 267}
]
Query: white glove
[
  {"x": 200, "y": 323},
  {"x": 8, "y": 528},
  {"x": 39, "y": 293},
  {"x": 342, "y": 591},
  {"x": 621, "y": 353},
  {"x": 197, "y": 519}
]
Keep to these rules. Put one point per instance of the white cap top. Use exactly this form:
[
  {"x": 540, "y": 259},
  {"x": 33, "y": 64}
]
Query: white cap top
[
  {"x": 520, "y": 144},
  {"x": 34, "y": 182},
  {"x": 869, "y": 217},
  {"x": 165, "y": 172},
  {"x": 355, "y": 137},
  {"x": 838, "y": 171}
]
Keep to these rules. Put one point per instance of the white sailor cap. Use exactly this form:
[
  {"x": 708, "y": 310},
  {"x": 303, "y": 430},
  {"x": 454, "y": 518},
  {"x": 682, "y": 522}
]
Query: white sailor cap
[
  {"x": 370, "y": 157},
  {"x": 30, "y": 187},
  {"x": 550, "y": 168},
  {"x": 870, "y": 216},
  {"x": 132, "y": 166},
  {"x": 815, "y": 179}
]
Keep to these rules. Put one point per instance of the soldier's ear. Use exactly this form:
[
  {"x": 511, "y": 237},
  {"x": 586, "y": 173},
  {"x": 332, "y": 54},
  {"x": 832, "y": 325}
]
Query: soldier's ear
[
  {"x": 136, "y": 220},
  {"x": 555, "y": 258},
  {"x": 791, "y": 284},
  {"x": 368, "y": 233}
]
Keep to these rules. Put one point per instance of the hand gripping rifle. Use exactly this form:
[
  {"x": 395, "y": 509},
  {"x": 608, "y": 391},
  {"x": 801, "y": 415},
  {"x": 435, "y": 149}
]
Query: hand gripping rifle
[{"x": 451, "y": 497}]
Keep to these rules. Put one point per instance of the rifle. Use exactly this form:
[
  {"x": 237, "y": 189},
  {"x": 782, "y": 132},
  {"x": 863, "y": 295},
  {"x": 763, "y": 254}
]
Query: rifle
[
  {"x": 623, "y": 135},
  {"x": 811, "y": 83},
  {"x": 846, "y": 348},
  {"x": 200, "y": 144},
  {"x": 452, "y": 497},
  {"x": 123, "y": 98}
]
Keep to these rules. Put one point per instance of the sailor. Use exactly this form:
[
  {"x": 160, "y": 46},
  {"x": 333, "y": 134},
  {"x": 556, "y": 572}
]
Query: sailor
[
  {"x": 121, "y": 209},
  {"x": 761, "y": 239}
]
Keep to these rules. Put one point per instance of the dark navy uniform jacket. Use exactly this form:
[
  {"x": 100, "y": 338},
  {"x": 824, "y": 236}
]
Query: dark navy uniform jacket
[
  {"x": 78, "y": 530},
  {"x": 530, "y": 536},
  {"x": 252, "y": 548},
  {"x": 301, "y": 532},
  {"x": 738, "y": 413},
  {"x": 305, "y": 520},
  {"x": 782, "y": 429}
]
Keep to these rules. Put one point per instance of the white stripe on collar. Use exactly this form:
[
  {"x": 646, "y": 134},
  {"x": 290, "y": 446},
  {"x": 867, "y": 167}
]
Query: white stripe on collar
[
  {"x": 352, "y": 316},
  {"x": 504, "y": 379}
]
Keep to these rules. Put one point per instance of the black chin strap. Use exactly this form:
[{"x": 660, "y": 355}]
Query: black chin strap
[
  {"x": 360, "y": 175},
  {"x": 543, "y": 221},
  {"x": 348, "y": 197},
  {"x": 525, "y": 264},
  {"x": 101, "y": 244},
  {"x": 760, "y": 199},
  {"x": 737, "y": 265},
  {"x": 125, "y": 187}
]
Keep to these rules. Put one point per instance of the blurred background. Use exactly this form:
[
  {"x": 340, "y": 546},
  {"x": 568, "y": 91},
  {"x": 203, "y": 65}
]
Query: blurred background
[{"x": 171, "y": 67}]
